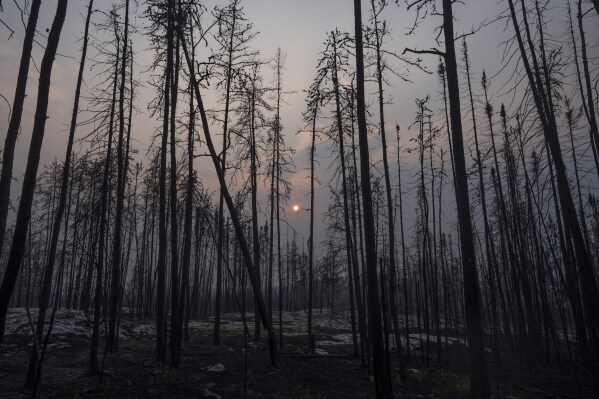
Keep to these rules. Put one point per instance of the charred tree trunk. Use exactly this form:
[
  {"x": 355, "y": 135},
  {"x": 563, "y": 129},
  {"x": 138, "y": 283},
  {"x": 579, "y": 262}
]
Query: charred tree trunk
[
  {"x": 44, "y": 301},
  {"x": 115, "y": 289},
  {"x": 388, "y": 191},
  {"x": 479, "y": 380},
  {"x": 381, "y": 376},
  {"x": 8, "y": 152},
  {"x": 162, "y": 228},
  {"x": 17, "y": 249},
  {"x": 261, "y": 307}
]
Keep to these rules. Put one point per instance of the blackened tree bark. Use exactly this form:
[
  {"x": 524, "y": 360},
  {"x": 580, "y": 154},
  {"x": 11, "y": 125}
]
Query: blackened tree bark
[
  {"x": 232, "y": 14},
  {"x": 8, "y": 152},
  {"x": 403, "y": 250},
  {"x": 188, "y": 220},
  {"x": 349, "y": 244},
  {"x": 117, "y": 249},
  {"x": 93, "y": 359},
  {"x": 489, "y": 243},
  {"x": 542, "y": 97},
  {"x": 381, "y": 376},
  {"x": 314, "y": 103},
  {"x": 388, "y": 190},
  {"x": 162, "y": 230},
  {"x": 589, "y": 101},
  {"x": 247, "y": 257},
  {"x": 479, "y": 380},
  {"x": 275, "y": 169},
  {"x": 17, "y": 249},
  {"x": 66, "y": 170},
  {"x": 174, "y": 233},
  {"x": 254, "y": 192}
]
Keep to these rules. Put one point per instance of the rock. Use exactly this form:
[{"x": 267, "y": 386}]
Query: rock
[
  {"x": 216, "y": 368},
  {"x": 321, "y": 352}
]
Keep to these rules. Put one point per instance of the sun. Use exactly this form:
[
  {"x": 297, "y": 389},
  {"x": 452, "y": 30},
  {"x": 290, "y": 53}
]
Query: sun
[{"x": 296, "y": 208}]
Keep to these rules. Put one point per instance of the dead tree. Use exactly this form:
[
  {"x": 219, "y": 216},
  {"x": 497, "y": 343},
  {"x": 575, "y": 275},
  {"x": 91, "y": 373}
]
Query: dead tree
[
  {"x": 479, "y": 381},
  {"x": 381, "y": 376},
  {"x": 8, "y": 152},
  {"x": 115, "y": 289},
  {"x": 380, "y": 30},
  {"x": 539, "y": 80},
  {"x": 17, "y": 249},
  {"x": 104, "y": 202},
  {"x": 66, "y": 171},
  {"x": 247, "y": 257}
]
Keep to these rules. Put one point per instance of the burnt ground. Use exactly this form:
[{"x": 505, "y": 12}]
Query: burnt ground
[{"x": 332, "y": 373}]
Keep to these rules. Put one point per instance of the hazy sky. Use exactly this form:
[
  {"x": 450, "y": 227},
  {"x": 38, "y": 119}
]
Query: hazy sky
[{"x": 298, "y": 27}]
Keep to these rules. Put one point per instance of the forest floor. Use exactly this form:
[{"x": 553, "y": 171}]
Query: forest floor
[{"x": 209, "y": 371}]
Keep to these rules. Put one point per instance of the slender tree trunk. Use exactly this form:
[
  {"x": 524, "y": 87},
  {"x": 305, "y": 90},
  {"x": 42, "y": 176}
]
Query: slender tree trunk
[
  {"x": 254, "y": 189},
  {"x": 8, "y": 152},
  {"x": 543, "y": 103},
  {"x": 115, "y": 289},
  {"x": 279, "y": 262},
  {"x": 219, "y": 264},
  {"x": 589, "y": 102},
  {"x": 479, "y": 380},
  {"x": 174, "y": 233},
  {"x": 403, "y": 251},
  {"x": 351, "y": 259},
  {"x": 489, "y": 243},
  {"x": 162, "y": 228},
  {"x": 390, "y": 218},
  {"x": 49, "y": 269},
  {"x": 261, "y": 307},
  {"x": 17, "y": 249},
  {"x": 93, "y": 362},
  {"x": 311, "y": 239},
  {"x": 381, "y": 375}
]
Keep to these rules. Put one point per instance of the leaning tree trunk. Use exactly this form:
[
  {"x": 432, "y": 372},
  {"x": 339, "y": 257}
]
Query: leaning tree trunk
[
  {"x": 589, "y": 102},
  {"x": 17, "y": 249},
  {"x": 544, "y": 106},
  {"x": 49, "y": 270},
  {"x": 247, "y": 257},
  {"x": 15, "y": 119}
]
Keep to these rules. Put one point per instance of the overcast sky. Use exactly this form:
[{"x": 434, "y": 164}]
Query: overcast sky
[{"x": 299, "y": 28}]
